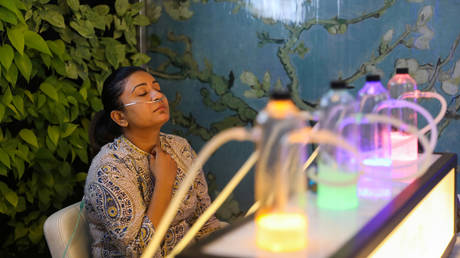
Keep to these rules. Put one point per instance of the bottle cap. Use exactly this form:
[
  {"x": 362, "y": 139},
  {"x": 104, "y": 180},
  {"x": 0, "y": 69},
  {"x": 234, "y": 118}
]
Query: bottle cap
[
  {"x": 403, "y": 70},
  {"x": 280, "y": 94},
  {"x": 339, "y": 84},
  {"x": 372, "y": 78}
]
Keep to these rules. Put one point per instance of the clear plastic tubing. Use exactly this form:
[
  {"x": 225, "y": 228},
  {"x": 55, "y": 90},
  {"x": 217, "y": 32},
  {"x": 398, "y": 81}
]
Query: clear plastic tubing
[
  {"x": 215, "y": 205},
  {"x": 421, "y": 94},
  {"x": 428, "y": 146},
  {"x": 237, "y": 133},
  {"x": 402, "y": 143}
]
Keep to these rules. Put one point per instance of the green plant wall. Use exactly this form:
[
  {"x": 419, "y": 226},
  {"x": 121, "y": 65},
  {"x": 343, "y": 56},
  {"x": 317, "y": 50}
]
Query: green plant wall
[{"x": 54, "y": 57}]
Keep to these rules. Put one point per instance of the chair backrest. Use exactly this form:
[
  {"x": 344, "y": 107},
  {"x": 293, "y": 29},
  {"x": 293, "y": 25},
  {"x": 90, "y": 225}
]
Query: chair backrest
[{"x": 58, "y": 229}]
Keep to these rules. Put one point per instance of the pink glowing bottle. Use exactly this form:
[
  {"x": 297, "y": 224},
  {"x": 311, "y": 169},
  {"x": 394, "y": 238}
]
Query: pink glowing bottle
[
  {"x": 374, "y": 142},
  {"x": 404, "y": 145}
]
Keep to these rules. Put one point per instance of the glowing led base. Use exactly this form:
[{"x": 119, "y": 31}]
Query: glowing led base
[
  {"x": 336, "y": 197},
  {"x": 403, "y": 146},
  {"x": 281, "y": 232}
]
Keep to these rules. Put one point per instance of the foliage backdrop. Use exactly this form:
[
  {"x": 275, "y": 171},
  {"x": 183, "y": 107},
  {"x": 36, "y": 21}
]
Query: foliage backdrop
[{"x": 54, "y": 57}]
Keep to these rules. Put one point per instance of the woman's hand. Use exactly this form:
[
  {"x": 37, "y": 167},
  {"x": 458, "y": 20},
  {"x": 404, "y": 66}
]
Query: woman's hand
[
  {"x": 162, "y": 166},
  {"x": 164, "y": 169}
]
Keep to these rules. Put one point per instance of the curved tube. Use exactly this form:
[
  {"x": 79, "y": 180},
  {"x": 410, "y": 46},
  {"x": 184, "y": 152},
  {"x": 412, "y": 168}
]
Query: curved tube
[
  {"x": 252, "y": 209},
  {"x": 406, "y": 104},
  {"x": 228, "y": 189},
  {"x": 305, "y": 136},
  {"x": 310, "y": 159},
  {"x": 209, "y": 148},
  {"x": 426, "y": 156},
  {"x": 314, "y": 154},
  {"x": 428, "y": 94},
  {"x": 342, "y": 108}
]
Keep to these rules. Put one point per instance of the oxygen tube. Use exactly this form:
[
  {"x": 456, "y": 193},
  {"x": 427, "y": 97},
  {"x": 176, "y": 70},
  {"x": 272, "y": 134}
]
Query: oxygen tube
[{"x": 74, "y": 231}]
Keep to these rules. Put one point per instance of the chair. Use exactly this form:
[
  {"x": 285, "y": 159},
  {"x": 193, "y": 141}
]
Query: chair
[{"x": 58, "y": 229}]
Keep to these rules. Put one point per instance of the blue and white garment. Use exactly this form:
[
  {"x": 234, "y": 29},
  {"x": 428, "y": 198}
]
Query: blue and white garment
[{"x": 118, "y": 190}]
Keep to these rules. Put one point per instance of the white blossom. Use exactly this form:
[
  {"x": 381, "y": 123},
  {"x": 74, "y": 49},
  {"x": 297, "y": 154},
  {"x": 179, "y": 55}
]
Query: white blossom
[{"x": 423, "y": 42}]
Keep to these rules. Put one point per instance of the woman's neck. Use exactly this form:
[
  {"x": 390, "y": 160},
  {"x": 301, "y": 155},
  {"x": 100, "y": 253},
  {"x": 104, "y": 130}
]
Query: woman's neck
[{"x": 145, "y": 141}]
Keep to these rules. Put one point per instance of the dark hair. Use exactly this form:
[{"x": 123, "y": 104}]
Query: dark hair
[{"x": 103, "y": 129}]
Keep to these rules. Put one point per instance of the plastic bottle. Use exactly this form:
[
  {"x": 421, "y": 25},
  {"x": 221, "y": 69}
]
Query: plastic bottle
[
  {"x": 404, "y": 145},
  {"x": 374, "y": 138},
  {"x": 280, "y": 222},
  {"x": 336, "y": 164},
  {"x": 332, "y": 104}
]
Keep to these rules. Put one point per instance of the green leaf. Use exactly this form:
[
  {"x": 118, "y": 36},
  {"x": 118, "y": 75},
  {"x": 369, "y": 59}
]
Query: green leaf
[
  {"x": 80, "y": 177},
  {"x": 4, "y": 188},
  {"x": 24, "y": 64},
  {"x": 53, "y": 133},
  {"x": 141, "y": 20},
  {"x": 54, "y": 18},
  {"x": 21, "y": 204},
  {"x": 30, "y": 96},
  {"x": 98, "y": 21},
  {"x": 34, "y": 40},
  {"x": 3, "y": 171},
  {"x": 140, "y": 59},
  {"x": 84, "y": 28},
  {"x": 68, "y": 129},
  {"x": 59, "y": 66},
  {"x": 47, "y": 178},
  {"x": 7, "y": 96},
  {"x": 121, "y": 6},
  {"x": 49, "y": 90},
  {"x": 10, "y": 5},
  {"x": 71, "y": 70},
  {"x": 84, "y": 93},
  {"x": 8, "y": 16},
  {"x": 4, "y": 158},
  {"x": 23, "y": 151},
  {"x": 19, "y": 167},
  {"x": 46, "y": 60},
  {"x": 16, "y": 37},
  {"x": 20, "y": 231},
  {"x": 2, "y": 112},
  {"x": 12, "y": 75},
  {"x": 57, "y": 47},
  {"x": 18, "y": 102},
  {"x": 29, "y": 136},
  {"x": 36, "y": 233},
  {"x": 74, "y": 5},
  {"x": 12, "y": 198},
  {"x": 102, "y": 9},
  {"x": 115, "y": 53}
]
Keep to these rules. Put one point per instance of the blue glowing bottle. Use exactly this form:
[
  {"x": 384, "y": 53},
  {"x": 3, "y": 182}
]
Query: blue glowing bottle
[{"x": 374, "y": 138}]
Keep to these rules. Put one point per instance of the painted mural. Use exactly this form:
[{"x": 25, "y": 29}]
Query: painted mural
[{"x": 218, "y": 60}]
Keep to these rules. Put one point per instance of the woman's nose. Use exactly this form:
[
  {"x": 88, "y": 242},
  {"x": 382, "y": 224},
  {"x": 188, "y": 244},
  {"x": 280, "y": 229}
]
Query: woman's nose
[{"x": 156, "y": 96}]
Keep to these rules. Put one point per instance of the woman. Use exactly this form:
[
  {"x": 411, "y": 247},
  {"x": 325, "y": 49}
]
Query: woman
[{"x": 137, "y": 170}]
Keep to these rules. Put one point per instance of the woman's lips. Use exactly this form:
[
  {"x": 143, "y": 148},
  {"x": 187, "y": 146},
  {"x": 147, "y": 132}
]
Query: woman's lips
[{"x": 160, "y": 108}]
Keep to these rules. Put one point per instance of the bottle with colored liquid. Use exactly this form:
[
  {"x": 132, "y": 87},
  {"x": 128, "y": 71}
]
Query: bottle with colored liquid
[
  {"x": 281, "y": 224},
  {"x": 335, "y": 164},
  {"x": 374, "y": 138},
  {"x": 404, "y": 145}
]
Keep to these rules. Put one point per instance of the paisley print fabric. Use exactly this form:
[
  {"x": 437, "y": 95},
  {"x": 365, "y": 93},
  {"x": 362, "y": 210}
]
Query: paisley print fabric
[{"x": 118, "y": 191}]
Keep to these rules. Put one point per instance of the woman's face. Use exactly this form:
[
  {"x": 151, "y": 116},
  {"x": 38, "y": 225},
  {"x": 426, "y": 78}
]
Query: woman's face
[{"x": 140, "y": 88}]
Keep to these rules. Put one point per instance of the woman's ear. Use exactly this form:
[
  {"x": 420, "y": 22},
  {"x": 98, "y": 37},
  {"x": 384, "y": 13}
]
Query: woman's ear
[{"x": 119, "y": 118}]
